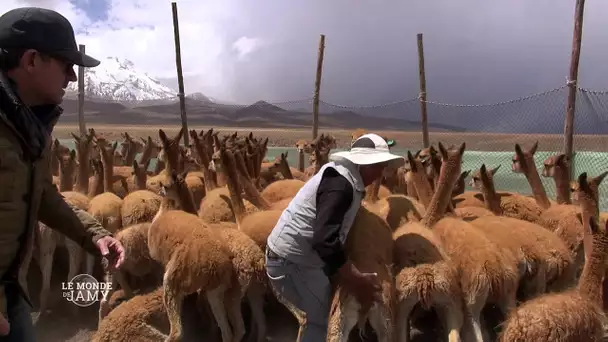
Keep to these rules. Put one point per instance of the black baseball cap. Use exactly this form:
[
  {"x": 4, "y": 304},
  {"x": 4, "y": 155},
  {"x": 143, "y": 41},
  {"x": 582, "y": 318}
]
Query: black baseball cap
[{"x": 44, "y": 30}]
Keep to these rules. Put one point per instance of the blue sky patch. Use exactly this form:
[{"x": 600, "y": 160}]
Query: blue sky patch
[{"x": 96, "y": 10}]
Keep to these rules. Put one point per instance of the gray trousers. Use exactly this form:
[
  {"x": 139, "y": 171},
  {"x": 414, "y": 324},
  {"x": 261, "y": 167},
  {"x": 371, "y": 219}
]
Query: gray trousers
[{"x": 308, "y": 289}]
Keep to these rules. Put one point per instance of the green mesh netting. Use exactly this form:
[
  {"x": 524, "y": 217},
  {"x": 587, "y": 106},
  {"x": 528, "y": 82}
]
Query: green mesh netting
[{"x": 593, "y": 163}]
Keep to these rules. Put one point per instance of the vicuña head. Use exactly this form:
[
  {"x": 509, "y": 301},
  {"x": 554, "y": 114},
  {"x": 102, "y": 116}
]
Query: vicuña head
[
  {"x": 478, "y": 176},
  {"x": 523, "y": 160},
  {"x": 553, "y": 162},
  {"x": 176, "y": 189}
]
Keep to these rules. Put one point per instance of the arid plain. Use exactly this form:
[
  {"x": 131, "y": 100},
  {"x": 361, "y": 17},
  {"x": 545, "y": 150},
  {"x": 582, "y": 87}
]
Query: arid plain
[{"x": 286, "y": 137}]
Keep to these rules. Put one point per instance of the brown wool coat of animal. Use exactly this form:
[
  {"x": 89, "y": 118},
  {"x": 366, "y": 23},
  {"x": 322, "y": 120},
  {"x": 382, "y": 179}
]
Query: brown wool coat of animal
[
  {"x": 569, "y": 316},
  {"x": 139, "y": 319}
]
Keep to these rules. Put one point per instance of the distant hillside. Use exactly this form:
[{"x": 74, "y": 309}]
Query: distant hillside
[
  {"x": 118, "y": 92},
  {"x": 260, "y": 114},
  {"x": 200, "y": 111},
  {"x": 262, "y": 110}
]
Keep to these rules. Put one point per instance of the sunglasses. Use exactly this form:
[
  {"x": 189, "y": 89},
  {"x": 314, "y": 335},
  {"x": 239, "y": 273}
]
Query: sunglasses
[{"x": 68, "y": 66}]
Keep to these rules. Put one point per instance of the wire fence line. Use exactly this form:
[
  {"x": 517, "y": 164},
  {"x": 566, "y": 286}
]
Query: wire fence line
[
  {"x": 595, "y": 102},
  {"x": 490, "y": 130},
  {"x": 537, "y": 114},
  {"x": 495, "y": 126},
  {"x": 540, "y": 113}
]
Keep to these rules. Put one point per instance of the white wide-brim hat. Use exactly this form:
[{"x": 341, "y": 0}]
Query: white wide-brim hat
[{"x": 367, "y": 150}]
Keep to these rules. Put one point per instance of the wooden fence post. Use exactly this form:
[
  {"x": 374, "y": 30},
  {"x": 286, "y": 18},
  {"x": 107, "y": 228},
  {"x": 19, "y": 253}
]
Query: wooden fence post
[
  {"x": 315, "y": 101},
  {"x": 180, "y": 76},
  {"x": 572, "y": 83},
  {"x": 422, "y": 96},
  {"x": 571, "y": 106},
  {"x": 81, "y": 124}
]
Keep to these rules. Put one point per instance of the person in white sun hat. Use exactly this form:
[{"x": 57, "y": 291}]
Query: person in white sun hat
[{"x": 305, "y": 251}]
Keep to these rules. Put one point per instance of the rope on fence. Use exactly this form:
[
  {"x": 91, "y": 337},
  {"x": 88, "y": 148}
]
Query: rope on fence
[
  {"x": 590, "y": 91},
  {"x": 388, "y": 104},
  {"x": 490, "y": 130},
  {"x": 538, "y": 113},
  {"x": 519, "y": 99},
  {"x": 89, "y": 89}
]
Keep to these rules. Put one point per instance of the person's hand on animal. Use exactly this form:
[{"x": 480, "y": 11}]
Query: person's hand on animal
[
  {"x": 5, "y": 327},
  {"x": 112, "y": 250},
  {"x": 364, "y": 286}
]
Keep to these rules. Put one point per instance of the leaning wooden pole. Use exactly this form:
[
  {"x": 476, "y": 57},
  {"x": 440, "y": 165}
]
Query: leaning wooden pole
[
  {"x": 571, "y": 107},
  {"x": 81, "y": 124},
  {"x": 422, "y": 96},
  {"x": 180, "y": 76},
  {"x": 315, "y": 101},
  {"x": 572, "y": 83}
]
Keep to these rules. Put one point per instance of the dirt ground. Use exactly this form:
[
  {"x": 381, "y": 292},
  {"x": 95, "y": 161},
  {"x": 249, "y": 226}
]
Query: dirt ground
[
  {"x": 288, "y": 137},
  {"x": 67, "y": 322}
]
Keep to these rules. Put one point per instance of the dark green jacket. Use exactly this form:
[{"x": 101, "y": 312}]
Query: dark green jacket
[{"x": 27, "y": 194}]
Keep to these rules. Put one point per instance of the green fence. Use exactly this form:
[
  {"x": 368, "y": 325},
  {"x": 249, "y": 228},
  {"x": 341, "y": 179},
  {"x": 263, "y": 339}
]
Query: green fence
[{"x": 593, "y": 163}]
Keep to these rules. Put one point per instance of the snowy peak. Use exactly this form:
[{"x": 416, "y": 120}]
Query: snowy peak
[{"x": 119, "y": 80}]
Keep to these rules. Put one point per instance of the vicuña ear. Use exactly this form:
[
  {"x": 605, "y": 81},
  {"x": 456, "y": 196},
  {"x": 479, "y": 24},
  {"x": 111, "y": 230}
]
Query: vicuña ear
[{"x": 495, "y": 169}]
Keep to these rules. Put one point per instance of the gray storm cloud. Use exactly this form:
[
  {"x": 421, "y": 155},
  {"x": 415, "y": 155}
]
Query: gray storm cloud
[{"x": 475, "y": 51}]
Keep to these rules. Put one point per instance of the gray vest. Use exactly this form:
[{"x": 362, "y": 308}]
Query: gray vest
[{"x": 291, "y": 237}]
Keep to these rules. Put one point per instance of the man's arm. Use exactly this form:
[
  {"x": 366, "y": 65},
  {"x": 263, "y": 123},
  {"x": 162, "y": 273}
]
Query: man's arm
[
  {"x": 334, "y": 197},
  {"x": 76, "y": 224}
]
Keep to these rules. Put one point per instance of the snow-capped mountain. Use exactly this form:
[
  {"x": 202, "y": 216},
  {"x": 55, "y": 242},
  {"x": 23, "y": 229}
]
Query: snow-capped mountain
[{"x": 120, "y": 81}]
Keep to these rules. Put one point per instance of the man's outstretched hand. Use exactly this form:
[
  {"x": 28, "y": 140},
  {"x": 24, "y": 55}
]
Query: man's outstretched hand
[
  {"x": 112, "y": 250},
  {"x": 364, "y": 286}
]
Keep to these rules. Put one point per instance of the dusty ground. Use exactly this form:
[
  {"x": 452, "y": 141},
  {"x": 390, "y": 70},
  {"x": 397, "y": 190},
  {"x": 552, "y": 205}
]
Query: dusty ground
[
  {"x": 67, "y": 322},
  {"x": 288, "y": 137}
]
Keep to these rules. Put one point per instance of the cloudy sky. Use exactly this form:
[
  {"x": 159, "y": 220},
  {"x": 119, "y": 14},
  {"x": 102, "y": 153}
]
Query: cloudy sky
[{"x": 240, "y": 50}]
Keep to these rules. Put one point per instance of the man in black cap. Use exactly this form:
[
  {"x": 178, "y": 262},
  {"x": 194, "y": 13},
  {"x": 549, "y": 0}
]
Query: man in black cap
[{"x": 38, "y": 52}]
